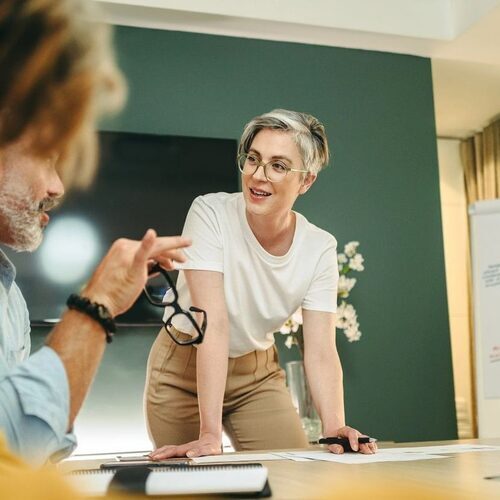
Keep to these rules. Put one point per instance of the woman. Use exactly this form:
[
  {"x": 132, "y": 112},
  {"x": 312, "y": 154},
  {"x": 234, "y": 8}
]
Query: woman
[{"x": 253, "y": 262}]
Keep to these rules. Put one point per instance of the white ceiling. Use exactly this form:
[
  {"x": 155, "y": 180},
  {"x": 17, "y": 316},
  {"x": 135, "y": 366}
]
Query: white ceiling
[{"x": 462, "y": 37}]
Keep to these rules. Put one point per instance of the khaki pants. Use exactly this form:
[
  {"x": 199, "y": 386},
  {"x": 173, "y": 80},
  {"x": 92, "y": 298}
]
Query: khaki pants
[{"x": 257, "y": 413}]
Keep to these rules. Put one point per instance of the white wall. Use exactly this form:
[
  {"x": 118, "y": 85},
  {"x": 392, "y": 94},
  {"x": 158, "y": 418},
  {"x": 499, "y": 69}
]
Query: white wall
[{"x": 456, "y": 244}]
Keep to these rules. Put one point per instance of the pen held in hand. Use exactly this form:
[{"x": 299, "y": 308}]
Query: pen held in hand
[{"x": 344, "y": 442}]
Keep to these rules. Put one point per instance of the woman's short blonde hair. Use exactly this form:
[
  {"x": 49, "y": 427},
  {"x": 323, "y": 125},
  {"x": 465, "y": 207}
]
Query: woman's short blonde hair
[
  {"x": 307, "y": 131},
  {"x": 57, "y": 75}
]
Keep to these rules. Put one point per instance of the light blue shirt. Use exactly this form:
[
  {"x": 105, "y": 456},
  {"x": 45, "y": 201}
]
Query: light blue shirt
[{"x": 34, "y": 391}]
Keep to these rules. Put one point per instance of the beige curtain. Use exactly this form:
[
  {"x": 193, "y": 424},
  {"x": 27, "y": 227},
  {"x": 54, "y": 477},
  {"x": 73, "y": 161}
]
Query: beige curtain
[
  {"x": 480, "y": 156},
  {"x": 481, "y": 162}
]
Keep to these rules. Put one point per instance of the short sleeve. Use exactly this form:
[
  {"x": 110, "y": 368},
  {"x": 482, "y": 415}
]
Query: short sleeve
[
  {"x": 322, "y": 292},
  {"x": 203, "y": 227}
]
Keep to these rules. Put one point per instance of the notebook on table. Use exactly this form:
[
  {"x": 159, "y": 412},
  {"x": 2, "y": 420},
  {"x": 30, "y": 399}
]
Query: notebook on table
[{"x": 231, "y": 479}]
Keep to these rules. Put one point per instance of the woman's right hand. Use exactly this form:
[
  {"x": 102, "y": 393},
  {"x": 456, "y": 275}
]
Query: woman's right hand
[
  {"x": 207, "y": 444},
  {"x": 207, "y": 292}
]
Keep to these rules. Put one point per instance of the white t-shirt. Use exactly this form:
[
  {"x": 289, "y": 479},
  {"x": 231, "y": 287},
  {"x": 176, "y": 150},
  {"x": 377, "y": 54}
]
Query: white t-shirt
[{"x": 262, "y": 290}]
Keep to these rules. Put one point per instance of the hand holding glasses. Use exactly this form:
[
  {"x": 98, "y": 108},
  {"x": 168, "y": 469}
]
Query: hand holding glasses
[{"x": 161, "y": 292}]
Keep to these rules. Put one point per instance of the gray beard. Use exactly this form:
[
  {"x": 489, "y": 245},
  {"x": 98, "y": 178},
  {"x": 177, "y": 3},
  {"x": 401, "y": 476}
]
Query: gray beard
[{"x": 23, "y": 224}]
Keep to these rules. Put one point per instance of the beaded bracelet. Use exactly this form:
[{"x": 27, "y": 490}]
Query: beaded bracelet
[{"x": 97, "y": 312}]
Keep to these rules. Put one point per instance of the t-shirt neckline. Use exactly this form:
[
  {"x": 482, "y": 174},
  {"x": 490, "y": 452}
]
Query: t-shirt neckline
[{"x": 254, "y": 242}]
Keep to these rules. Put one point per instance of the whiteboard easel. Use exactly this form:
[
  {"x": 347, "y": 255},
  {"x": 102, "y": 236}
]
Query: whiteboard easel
[{"x": 485, "y": 250}]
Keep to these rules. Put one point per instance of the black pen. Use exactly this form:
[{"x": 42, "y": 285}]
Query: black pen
[{"x": 344, "y": 442}]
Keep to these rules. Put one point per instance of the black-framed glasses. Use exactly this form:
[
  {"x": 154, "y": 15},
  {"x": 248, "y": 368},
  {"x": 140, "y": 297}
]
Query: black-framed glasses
[
  {"x": 274, "y": 170},
  {"x": 161, "y": 292}
]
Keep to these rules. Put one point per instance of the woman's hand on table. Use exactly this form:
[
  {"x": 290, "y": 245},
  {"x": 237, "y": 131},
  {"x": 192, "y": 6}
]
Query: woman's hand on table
[
  {"x": 208, "y": 444},
  {"x": 352, "y": 435}
]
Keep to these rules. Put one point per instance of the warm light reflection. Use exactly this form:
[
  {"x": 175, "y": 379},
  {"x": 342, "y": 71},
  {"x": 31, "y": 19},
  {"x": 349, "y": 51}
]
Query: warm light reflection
[{"x": 70, "y": 250}]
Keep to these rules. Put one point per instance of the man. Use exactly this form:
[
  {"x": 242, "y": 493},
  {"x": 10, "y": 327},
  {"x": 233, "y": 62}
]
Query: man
[{"x": 56, "y": 73}]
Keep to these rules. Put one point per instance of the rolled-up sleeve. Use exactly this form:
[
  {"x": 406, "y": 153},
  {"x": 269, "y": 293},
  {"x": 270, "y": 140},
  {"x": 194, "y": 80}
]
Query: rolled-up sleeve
[{"x": 34, "y": 408}]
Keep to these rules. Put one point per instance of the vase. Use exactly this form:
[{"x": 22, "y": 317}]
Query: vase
[{"x": 302, "y": 399}]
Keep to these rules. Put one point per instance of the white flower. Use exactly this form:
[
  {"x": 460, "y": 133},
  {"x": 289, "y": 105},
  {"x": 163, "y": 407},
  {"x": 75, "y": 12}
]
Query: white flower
[
  {"x": 345, "y": 285},
  {"x": 356, "y": 262},
  {"x": 347, "y": 311},
  {"x": 352, "y": 333},
  {"x": 342, "y": 320},
  {"x": 289, "y": 341},
  {"x": 297, "y": 318},
  {"x": 293, "y": 323},
  {"x": 347, "y": 320},
  {"x": 286, "y": 327},
  {"x": 340, "y": 309},
  {"x": 350, "y": 248}
]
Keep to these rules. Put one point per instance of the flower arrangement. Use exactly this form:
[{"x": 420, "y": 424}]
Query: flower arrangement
[{"x": 347, "y": 319}]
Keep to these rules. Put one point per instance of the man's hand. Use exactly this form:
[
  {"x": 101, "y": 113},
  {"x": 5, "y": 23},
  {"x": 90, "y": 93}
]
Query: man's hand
[
  {"x": 117, "y": 282},
  {"x": 352, "y": 435},
  {"x": 208, "y": 444},
  {"x": 122, "y": 274}
]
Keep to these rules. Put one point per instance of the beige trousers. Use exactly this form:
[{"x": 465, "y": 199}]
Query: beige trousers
[{"x": 257, "y": 412}]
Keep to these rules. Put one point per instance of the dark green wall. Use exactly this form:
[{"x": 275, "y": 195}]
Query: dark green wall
[{"x": 382, "y": 190}]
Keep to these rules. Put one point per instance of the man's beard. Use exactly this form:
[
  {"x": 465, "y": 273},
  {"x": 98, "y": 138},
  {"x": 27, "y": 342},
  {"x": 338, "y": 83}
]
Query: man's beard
[{"x": 20, "y": 215}]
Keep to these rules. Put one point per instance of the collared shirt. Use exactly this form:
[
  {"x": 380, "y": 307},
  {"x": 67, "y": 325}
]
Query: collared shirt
[{"x": 34, "y": 390}]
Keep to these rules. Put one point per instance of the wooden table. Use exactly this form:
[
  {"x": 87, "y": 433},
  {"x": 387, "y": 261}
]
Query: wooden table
[{"x": 460, "y": 476}]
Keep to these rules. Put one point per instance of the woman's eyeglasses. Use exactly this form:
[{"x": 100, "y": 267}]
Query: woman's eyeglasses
[{"x": 275, "y": 170}]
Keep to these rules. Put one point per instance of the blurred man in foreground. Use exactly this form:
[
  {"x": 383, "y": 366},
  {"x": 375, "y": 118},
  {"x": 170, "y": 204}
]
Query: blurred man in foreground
[{"x": 57, "y": 76}]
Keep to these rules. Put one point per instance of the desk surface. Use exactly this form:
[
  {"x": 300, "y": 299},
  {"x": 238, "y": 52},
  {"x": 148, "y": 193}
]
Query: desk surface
[{"x": 460, "y": 476}]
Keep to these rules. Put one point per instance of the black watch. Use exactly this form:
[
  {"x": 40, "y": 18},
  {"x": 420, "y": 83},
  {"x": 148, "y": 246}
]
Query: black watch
[{"x": 97, "y": 312}]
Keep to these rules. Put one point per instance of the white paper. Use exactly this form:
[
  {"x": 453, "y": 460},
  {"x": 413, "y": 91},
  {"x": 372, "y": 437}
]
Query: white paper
[
  {"x": 105, "y": 456},
  {"x": 448, "y": 448},
  {"x": 359, "y": 458},
  {"x": 290, "y": 456},
  {"x": 236, "y": 457}
]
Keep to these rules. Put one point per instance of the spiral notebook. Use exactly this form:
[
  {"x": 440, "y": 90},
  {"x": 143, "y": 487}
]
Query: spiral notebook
[{"x": 233, "y": 479}]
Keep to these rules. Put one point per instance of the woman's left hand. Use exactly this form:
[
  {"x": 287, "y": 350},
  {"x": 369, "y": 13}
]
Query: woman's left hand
[
  {"x": 208, "y": 444},
  {"x": 352, "y": 435}
]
